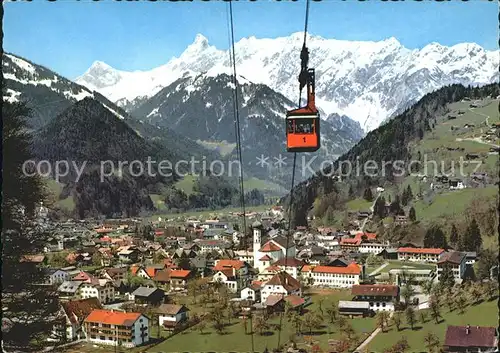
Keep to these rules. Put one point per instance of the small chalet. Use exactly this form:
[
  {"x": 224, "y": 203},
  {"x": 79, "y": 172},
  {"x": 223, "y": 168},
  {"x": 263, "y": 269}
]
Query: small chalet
[
  {"x": 281, "y": 284},
  {"x": 379, "y": 297},
  {"x": 148, "y": 295},
  {"x": 171, "y": 315},
  {"x": 471, "y": 339},
  {"x": 251, "y": 292}
]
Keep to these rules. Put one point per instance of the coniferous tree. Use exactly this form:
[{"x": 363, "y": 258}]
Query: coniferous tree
[
  {"x": 351, "y": 192},
  {"x": 395, "y": 207},
  {"x": 368, "y": 195},
  {"x": 412, "y": 215},
  {"x": 446, "y": 278},
  {"x": 474, "y": 240},
  {"x": 379, "y": 209},
  {"x": 435, "y": 238},
  {"x": 33, "y": 311},
  {"x": 454, "y": 235},
  {"x": 409, "y": 194}
]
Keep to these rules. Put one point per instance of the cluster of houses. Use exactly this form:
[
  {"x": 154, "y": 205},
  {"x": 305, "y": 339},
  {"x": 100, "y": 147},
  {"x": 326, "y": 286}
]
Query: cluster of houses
[{"x": 112, "y": 266}]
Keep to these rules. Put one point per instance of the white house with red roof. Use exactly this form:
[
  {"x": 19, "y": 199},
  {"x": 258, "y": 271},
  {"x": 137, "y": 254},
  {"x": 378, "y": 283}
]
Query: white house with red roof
[
  {"x": 332, "y": 276},
  {"x": 233, "y": 273},
  {"x": 281, "y": 284},
  {"x": 273, "y": 250},
  {"x": 290, "y": 265},
  {"x": 420, "y": 254}
]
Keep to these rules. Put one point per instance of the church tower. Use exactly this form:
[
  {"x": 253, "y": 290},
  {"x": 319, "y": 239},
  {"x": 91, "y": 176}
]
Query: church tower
[{"x": 257, "y": 234}]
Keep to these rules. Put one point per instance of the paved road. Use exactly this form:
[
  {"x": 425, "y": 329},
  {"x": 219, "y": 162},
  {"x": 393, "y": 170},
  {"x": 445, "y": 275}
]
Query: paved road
[
  {"x": 380, "y": 268},
  {"x": 372, "y": 336},
  {"x": 372, "y": 207},
  {"x": 478, "y": 139}
]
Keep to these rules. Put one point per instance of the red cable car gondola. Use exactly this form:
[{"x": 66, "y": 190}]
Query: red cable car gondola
[{"x": 302, "y": 124}]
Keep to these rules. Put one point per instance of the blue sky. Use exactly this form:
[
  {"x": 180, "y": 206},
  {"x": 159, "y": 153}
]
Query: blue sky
[{"x": 68, "y": 36}]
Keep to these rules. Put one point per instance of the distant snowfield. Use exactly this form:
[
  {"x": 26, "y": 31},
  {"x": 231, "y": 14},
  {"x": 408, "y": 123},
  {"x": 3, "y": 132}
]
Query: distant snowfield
[{"x": 366, "y": 81}]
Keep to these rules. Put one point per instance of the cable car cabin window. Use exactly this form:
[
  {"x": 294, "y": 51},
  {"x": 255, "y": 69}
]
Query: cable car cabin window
[
  {"x": 304, "y": 126},
  {"x": 290, "y": 126}
]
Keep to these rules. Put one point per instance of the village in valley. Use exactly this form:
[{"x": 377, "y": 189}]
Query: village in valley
[{"x": 188, "y": 283}]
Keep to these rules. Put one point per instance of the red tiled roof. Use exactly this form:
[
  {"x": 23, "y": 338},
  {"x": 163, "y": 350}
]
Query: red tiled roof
[
  {"x": 134, "y": 269},
  {"x": 351, "y": 269},
  {"x": 478, "y": 336},
  {"x": 162, "y": 276},
  {"x": 272, "y": 268},
  {"x": 170, "y": 309},
  {"x": 269, "y": 247},
  {"x": 295, "y": 300},
  {"x": 453, "y": 257},
  {"x": 350, "y": 241},
  {"x": 375, "y": 290},
  {"x": 290, "y": 262},
  {"x": 113, "y": 317},
  {"x": 369, "y": 236},
  {"x": 265, "y": 258},
  {"x": 285, "y": 280},
  {"x": 226, "y": 263},
  {"x": 83, "y": 276},
  {"x": 77, "y": 310},
  {"x": 179, "y": 273},
  {"x": 433, "y": 251},
  {"x": 228, "y": 272},
  {"x": 151, "y": 271},
  {"x": 273, "y": 299}
]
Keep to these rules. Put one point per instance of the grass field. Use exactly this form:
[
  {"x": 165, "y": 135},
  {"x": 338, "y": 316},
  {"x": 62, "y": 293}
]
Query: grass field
[
  {"x": 359, "y": 204},
  {"x": 483, "y": 314},
  {"x": 451, "y": 204},
  {"x": 186, "y": 184},
  {"x": 157, "y": 201},
  {"x": 237, "y": 341},
  {"x": 55, "y": 190},
  {"x": 396, "y": 264}
]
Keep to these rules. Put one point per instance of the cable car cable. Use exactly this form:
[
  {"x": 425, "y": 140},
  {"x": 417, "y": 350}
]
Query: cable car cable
[
  {"x": 238, "y": 143},
  {"x": 304, "y": 56}
]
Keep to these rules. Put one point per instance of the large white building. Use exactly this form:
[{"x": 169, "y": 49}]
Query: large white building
[
  {"x": 372, "y": 248},
  {"x": 102, "y": 289},
  {"x": 117, "y": 328},
  {"x": 456, "y": 262},
  {"x": 419, "y": 254},
  {"x": 331, "y": 276},
  {"x": 273, "y": 250}
]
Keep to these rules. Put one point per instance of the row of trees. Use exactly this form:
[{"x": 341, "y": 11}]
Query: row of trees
[
  {"x": 210, "y": 193},
  {"x": 470, "y": 240},
  {"x": 30, "y": 308},
  {"x": 442, "y": 294}
]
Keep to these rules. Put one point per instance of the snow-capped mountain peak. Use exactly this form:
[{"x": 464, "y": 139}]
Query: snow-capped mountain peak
[{"x": 366, "y": 81}]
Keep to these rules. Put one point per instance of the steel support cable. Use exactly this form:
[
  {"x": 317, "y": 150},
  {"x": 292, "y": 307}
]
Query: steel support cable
[
  {"x": 304, "y": 57},
  {"x": 238, "y": 142}
]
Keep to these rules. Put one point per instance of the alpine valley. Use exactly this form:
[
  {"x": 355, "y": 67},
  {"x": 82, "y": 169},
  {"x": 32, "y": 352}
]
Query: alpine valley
[{"x": 184, "y": 109}]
